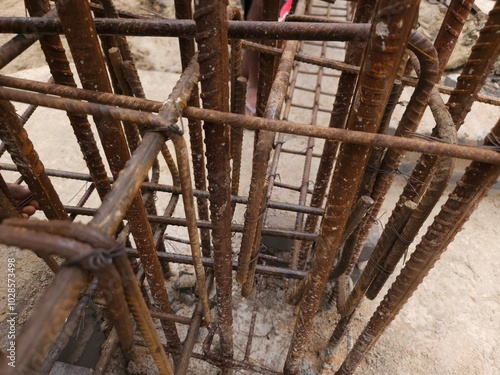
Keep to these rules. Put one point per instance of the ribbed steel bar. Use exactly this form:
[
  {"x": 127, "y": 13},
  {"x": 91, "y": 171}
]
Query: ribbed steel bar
[
  {"x": 442, "y": 170},
  {"x": 469, "y": 191},
  {"x": 375, "y": 82},
  {"x": 58, "y": 300},
  {"x": 483, "y": 55},
  {"x": 29, "y": 165},
  {"x": 211, "y": 37},
  {"x": 345, "y": 90},
  {"x": 59, "y": 66},
  {"x": 482, "y": 154},
  {"x": 187, "y": 28},
  {"x": 270, "y": 99},
  {"x": 238, "y": 103},
  {"x": 304, "y": 188},
  {"x": 409, "y": 122},
  {"x": 82, "y": 38},
  {"x": 183, "y": 10},
  {"x": 65, "y": 240}
]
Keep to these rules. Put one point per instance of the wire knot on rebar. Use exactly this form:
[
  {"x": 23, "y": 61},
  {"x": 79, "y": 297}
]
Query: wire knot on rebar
[{"x": 98, "y": 259}]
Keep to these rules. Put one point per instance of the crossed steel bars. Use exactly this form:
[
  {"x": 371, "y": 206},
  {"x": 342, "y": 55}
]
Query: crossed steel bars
[{"x": 371, "y": 79}]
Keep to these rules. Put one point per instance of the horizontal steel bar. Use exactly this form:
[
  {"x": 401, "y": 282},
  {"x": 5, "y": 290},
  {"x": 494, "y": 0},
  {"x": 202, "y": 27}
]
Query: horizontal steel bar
[
  {"x": 209, "y": 262},
  {"x": 187, "y": 28}
]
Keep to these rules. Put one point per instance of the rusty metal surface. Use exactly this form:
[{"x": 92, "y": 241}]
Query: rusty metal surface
[{"x": 346, "y": 150}]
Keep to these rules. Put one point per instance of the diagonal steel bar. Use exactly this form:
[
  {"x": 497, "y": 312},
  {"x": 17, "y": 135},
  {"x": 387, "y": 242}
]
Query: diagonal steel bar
[
  {"x": 469, "y": 191},
  {"x": 388, "y": 38},
  {"x": 82, "y": 38}
]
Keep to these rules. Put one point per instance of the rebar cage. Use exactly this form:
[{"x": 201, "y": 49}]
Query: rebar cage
[{"x": 244, "y": 233}]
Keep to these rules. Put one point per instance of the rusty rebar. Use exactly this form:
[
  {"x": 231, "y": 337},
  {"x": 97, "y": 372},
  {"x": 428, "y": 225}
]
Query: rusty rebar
[
  {"x": 183, "y": 10},
  {"x": 442, "y": 170},
  {"x": 409, "y": 122},
  {"x": 187, "y": 28},
  {"x": 211, "y": 36},
  {"x": 376, "y": 78},
  {"x": 82, "y": 38},
  {"x": 469, "y": 191},
  {"x": 345, "y": 90},
  {"x": 483, "y": 55}
]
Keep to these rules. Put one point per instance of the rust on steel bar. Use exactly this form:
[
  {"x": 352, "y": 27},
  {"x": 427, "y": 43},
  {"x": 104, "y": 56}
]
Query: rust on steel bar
[
  {"x": 483, "y": 55},
  {"x": 472, "y": 187},
  {"x": 20, "y": 43},
  {"x": 357, "y": 213},
  {"x": 483, "y": 154},
  {"x": 296, "y": 260},
  {"x": 267, "y": 63},
  {"x": 31, "y": 168},
  {"x": 270, "y": 99},
  {"x": 58, "y": 300},
  {"x": 40, "y": 236},
  {"x": 82, "y": 38},
  {"x": 81, "y": 246},
  {"x": 345, "y": 90},
  {"x": 375, "y": 82},
  {"x": 409, "y": 122},
  {"x": 187, "y": 28},
  {"x": 441, "y": 170},
  {"x": 211, "y": 37},
  {"x": 237, "y": 228},
  {"x": 132, "y": 291},
  {"x": 69, "y": 327},
  {"x": 262, "y": 151},
  {"x": 183, "y": 10},
  {"x": 238, "y": 103},
  {"x": 61, "y": 72},
  {"x": 132, "y": 177},
  {"x": 208, "y": 262}
]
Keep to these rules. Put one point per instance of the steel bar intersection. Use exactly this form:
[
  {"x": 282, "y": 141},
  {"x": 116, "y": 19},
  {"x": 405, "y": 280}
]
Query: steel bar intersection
[{"x": 122, "y": 251}]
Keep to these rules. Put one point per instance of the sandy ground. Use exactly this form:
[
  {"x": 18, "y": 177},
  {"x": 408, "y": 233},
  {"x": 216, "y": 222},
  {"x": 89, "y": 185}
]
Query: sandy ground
[{"x": 450, "y": 325}]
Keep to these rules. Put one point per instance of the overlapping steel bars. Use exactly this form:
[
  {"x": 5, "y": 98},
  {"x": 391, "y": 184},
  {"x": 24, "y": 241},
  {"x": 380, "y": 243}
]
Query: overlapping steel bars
[{"x": 375, "y": 58}]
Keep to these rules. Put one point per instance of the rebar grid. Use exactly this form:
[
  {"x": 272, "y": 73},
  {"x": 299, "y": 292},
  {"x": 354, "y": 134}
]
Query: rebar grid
[{"x": 352, "y": 157}]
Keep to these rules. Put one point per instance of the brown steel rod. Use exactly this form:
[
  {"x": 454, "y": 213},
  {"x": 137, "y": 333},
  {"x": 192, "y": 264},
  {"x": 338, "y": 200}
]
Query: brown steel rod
[
  {"x": 345, "y": 90},
  {"x": 263, "y": 147},
  {"x": 483, "y": 55},
  {"x": 186, "y": 28},
  {"x": 259, "y": 186},
  {"x": 375, "y": 82},
  {"x": 208, "y": 262},
  {"x": 212, "y": 39},
  {"x": 408, "y": 124},
  {"x": 482, "y": 154},
  {"x": 444, "y": 130},
  {"x": 285, "y": 233},
  {"x": 58, "y": 300},
  {"x": 82, "y": 38},
  {"x": 59, "y": 66},
  {"x": 183, "y": 10},
  {"x": 472, "y": 187}
]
